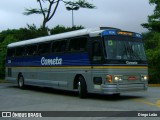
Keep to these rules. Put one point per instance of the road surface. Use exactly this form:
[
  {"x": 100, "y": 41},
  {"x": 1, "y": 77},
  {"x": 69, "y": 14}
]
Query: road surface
[{"x": 44, "y": 99}]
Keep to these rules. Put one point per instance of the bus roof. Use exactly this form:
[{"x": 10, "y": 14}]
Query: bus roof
[
  {"x": 55, "y": 37},
  {"x": 92, "y": 32}
]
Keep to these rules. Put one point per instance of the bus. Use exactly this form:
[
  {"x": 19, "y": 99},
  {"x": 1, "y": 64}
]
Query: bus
[{"x": 94, "y": 60}]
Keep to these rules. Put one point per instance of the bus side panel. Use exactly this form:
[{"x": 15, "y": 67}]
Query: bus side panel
[{"x": 50, "y": 71}]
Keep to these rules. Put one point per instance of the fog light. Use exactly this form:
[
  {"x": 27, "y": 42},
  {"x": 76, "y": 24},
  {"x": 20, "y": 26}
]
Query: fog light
[
  {"x": 118, "y": 78},
  {"x": 144, "y": 77}
]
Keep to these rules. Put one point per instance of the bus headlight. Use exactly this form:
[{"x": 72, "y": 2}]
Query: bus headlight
[
  {"x": 144, "y": 77},
  {"x": 118, "y": 78}
]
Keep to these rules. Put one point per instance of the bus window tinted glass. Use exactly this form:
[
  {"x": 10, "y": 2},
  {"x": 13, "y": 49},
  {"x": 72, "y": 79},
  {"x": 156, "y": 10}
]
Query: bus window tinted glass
[
  {"x": 31, "y": 50},
  {"x": 59, "y": 46},
  {"x": 78, "y": 44},
  {"x": 20, "y": 51},
  {"x": 44, "y": 48},
  {"x": 11, "y": 52}
]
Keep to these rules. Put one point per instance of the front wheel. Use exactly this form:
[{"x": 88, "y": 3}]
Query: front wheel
[
  {"x": 21, "y": 82},
  {"x": 82, "y": 87}
]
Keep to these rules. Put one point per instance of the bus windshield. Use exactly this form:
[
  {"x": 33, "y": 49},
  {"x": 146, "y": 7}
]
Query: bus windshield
[{"x": 124, "y": 48}]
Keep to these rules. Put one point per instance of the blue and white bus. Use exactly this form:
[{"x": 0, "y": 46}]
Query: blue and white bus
[{"x": 103, "y": 61}]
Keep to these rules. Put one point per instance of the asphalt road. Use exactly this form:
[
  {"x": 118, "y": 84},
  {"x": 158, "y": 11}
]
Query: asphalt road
[{"x": 44, "y": 99}]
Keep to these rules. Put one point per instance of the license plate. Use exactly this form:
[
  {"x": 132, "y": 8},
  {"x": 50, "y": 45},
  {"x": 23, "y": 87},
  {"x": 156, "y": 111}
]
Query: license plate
[{"x": 131, "y": 78}]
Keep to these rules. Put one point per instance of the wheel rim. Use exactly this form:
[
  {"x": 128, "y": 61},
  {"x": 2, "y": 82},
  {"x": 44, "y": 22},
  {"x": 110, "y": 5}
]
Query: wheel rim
[
  {"x": 79, "y": 87},
  {"x": 20, "y": 82}
]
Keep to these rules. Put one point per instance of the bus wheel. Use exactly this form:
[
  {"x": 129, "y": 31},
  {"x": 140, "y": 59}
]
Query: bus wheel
[
  {"x": 21, "y": 82},
  {"x": 82, "y": 87}
]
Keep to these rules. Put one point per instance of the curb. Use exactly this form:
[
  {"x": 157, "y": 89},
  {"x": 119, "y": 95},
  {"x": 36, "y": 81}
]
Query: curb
[
  {"x": 3, "y": 81},
  {"x": 154, "y": 85}
]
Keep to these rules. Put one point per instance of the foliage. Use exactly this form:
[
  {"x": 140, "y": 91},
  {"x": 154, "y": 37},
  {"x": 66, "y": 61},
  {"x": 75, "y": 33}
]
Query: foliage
[
  {"x": 49, "y": 12},
  {"x": 80, "y": 4},
  {"x": 8, "y": 39},
  {"x": 24, "y": 33},
  {"x": 152, "y": 46},
  {"x": 154, "y": 20},
  {"x": 34, "y": 32},
  {"x": 61, "y": 29},
  {"x": 152, "y": 42}
]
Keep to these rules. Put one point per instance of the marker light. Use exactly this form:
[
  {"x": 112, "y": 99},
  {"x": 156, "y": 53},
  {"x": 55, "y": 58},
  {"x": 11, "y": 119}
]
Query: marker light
[
  {"x": 116, "y": 78},
  {"x": 125, "y": 33}
]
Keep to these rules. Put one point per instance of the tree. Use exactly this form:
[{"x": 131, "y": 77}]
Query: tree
[
  {"x": 152, "y": 42},
  {"x": 154, "y": 20},
  {"x": 152, "y": 49},
  {"x": 62, "y": 29},
  {"x": 49, "y": 12},
  {"x": 3, "y": 50}
]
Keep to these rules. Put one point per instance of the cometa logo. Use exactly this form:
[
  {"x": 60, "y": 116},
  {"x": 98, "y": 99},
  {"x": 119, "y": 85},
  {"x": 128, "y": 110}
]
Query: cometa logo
[
  {"x": 55, "y": 61},
  {"x": 131, "y": 63}
]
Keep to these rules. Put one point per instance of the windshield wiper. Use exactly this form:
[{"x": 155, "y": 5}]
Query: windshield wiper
[
  {"x": 126, "y": 52},
  {"x": 130, "y": 53},
  {"x": 134, "y": 54}
]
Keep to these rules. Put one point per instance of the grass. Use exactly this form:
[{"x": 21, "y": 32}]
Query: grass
[{"x": 2, "y": 81}]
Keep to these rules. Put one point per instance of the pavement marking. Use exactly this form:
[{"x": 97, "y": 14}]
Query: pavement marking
[{"x": 157, "y": 103}]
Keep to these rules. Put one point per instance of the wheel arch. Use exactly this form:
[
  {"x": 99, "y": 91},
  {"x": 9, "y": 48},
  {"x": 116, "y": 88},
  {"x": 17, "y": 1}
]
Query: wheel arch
[{"x": 19, "y": 74}]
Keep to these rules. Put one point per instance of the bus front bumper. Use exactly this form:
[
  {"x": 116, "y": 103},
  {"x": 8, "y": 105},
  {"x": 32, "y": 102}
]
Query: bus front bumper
[{"x": 120, "y": 88}]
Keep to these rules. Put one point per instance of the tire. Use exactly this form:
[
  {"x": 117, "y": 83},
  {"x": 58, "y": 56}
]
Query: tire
[
  {"x": 116, "y": 95},
  {"x": 21, "y": 82},
  {"x": 82, "y": 87}
]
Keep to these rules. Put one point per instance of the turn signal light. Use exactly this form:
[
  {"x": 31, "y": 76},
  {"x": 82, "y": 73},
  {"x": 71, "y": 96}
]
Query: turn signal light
[{"x": 109, "y": 78}]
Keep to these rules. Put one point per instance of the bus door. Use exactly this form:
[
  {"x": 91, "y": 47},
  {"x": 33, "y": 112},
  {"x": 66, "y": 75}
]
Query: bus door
[{"x": 97, "y": 64}]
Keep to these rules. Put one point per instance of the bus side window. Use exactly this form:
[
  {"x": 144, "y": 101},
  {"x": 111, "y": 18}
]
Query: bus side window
[
  {"x": 11, "y": 52},
  {"x": 59, "y": 46},
  {"x": 96, "y": 52},
  {"x": 31, "y": 50},
  {"x": 78, "y": 44},
  {"x": 44, "y": 48},
  {"x": 20, "y": 51}
]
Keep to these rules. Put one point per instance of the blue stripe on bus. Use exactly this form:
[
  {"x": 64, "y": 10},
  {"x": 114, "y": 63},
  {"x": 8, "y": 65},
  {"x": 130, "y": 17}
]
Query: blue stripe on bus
[
  {"x": 73, "y": 59},
  {"x": 51, "y": 60}
]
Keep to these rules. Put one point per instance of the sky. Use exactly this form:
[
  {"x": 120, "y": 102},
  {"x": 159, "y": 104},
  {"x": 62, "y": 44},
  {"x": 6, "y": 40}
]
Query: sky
[{"x": 124, "y": 14}]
